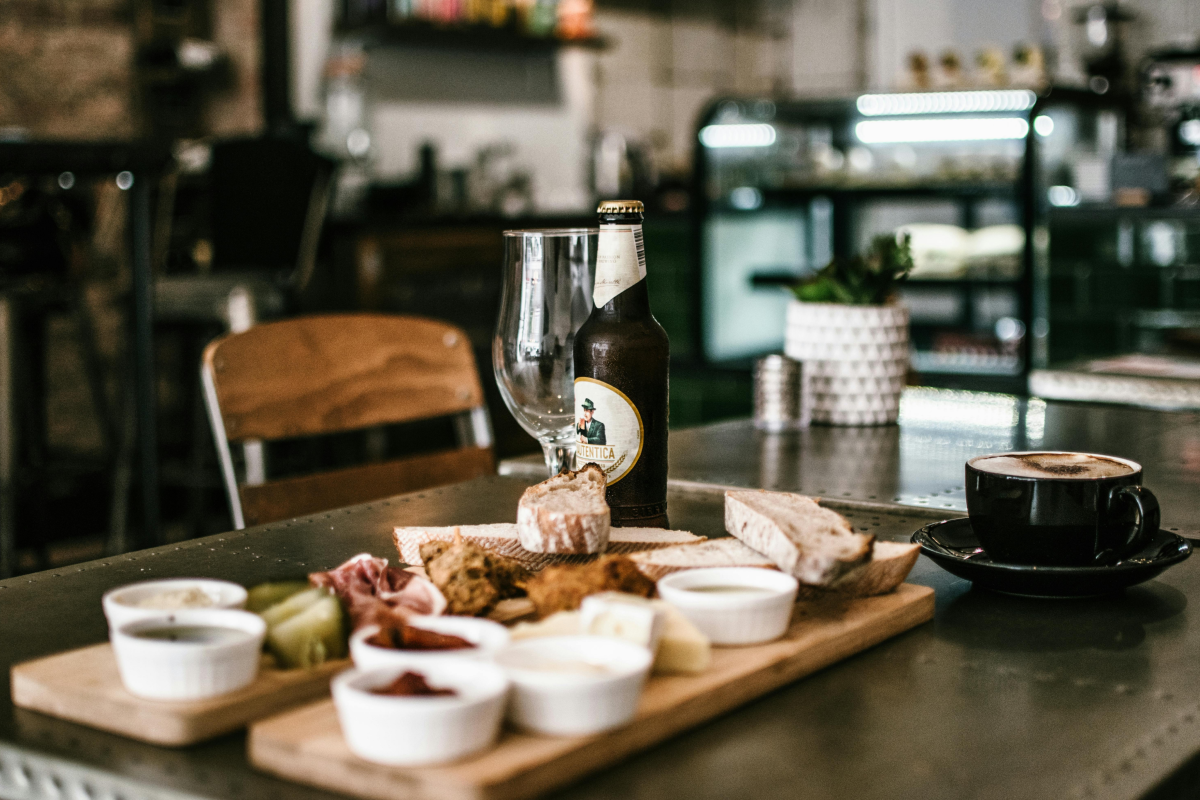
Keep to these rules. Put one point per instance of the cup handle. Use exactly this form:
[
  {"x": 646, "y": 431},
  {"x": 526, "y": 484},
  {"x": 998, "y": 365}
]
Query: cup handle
[{"x": 1148, "y": 516}]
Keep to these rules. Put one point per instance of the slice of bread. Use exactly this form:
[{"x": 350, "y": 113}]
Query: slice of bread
[
  {"x": 565, "y": 514},
  {"x": 502, "y": 538},
  {"x": 711, "y": 553},
  {"x": 815, "y": 545},
  {"x": 889, "y": 565}
]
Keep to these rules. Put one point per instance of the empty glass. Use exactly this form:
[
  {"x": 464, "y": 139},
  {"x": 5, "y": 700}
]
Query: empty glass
[{"x": 548, "y": 277}]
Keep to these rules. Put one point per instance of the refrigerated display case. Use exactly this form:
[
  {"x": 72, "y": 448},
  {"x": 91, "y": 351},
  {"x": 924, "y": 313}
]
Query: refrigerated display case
[{"x": 786, "y": 185}]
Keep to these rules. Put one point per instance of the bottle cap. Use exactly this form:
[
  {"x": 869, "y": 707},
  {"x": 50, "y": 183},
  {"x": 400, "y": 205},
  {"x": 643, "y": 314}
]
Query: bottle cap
[{"x": 621, "y": 207}]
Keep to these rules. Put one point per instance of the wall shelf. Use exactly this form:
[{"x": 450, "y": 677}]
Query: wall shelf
[{"x": 461, "y": 36}]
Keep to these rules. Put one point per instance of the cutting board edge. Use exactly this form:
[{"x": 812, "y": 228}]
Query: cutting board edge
[
  {"x": 165, "y": 724},
  {"x": 917, "y": 611},
  {"x": 608, "y": 749}
]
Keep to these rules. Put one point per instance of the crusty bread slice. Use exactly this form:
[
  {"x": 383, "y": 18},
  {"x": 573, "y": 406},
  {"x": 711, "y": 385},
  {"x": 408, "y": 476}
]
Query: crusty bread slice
[
  {"x": 711, "y": 553},
  {"x": 889, "y": 565},
  {"x": 565, "y": 514},
  {"x": 502, "y": 538},
  {"x": 814, "y": 544}
]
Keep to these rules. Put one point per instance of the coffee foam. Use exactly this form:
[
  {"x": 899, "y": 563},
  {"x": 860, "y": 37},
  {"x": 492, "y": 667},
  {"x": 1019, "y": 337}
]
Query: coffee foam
[{"x": 1053, "y": 465}]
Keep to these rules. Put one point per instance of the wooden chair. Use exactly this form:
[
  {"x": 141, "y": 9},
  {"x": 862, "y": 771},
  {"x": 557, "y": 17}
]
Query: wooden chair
[{"x": 332, "y": 373}]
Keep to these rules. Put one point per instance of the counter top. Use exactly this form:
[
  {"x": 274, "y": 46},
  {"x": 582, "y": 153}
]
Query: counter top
[
  {"x": 919, "y": 462},
  {"x": 998, "y": 697}
]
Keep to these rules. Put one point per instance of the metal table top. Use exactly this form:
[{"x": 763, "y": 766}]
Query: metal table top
[
  {"x": 999, "y": 697},
  {"x": 920, "y": 461}
]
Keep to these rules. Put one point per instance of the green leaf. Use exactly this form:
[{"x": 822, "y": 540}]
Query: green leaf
[{"x": 867, "y": 279}]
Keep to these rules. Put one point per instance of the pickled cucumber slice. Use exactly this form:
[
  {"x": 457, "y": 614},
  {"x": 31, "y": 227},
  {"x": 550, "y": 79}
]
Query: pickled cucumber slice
[
  {"x": 265, "y": 595},
  {"x": 297, "y": 603},
  {"x": 314, "y": 636}
]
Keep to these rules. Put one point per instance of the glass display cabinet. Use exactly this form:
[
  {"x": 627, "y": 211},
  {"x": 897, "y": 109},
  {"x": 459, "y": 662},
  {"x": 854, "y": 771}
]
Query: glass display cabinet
[{"x": 787, "y": 185}]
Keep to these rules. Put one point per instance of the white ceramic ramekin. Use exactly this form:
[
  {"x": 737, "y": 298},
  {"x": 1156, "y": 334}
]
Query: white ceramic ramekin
[
  {"x": 407, "y": 731},
  {"x": 119, "y": 603},
  {"x": 487, "y": 636},
  {"x": 164, "y": 670},
  {"x": 568, "y": 703},
  {"x": 733, "y": 619}
]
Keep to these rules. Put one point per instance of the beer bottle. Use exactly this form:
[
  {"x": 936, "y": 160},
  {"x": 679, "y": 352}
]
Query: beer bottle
[{"x": 621, "y": 360}]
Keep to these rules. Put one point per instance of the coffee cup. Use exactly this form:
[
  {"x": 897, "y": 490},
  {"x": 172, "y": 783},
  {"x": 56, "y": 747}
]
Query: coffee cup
[{"x": 1059, "y": 509}]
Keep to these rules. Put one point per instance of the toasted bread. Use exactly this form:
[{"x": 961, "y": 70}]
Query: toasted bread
[
  {"x": 815, "y": 545},
  {"x": 565, "y": 514}
]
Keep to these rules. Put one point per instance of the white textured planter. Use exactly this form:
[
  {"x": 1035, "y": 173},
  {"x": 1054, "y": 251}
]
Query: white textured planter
[{"x": 855, "y": 359}]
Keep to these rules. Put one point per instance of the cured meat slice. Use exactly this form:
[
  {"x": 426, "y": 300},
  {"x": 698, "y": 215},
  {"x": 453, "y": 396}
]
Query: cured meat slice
[{"x": 374, "y": 593}]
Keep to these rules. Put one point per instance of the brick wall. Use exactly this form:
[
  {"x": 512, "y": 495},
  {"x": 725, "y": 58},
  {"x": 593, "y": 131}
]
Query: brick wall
[{"x": 67, "y": 67}]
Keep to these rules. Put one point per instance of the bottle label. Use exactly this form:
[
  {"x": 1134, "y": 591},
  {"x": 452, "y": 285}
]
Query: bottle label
[
  {"x": 608, "y": 429},
  {"x": 620, "y": 261}
]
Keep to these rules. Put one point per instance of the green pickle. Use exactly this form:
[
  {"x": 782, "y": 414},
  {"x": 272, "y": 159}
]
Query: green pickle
[
  {"x": 282, "y": 612},
  {"x": 265, "y": 595},
  {"x": 309, "y": 635}
]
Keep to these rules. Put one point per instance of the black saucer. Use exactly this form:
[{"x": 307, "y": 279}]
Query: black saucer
[{"x": 955, "y": 548}]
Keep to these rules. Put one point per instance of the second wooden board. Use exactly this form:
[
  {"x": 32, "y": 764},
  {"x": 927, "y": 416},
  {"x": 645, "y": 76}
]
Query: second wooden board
[
  {"x": 306, "y": 744},
  {"x": 84, "y": 686}
]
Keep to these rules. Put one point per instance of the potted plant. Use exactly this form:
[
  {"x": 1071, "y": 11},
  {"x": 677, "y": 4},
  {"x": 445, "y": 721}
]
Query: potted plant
[{"x": 851, "y": 333}]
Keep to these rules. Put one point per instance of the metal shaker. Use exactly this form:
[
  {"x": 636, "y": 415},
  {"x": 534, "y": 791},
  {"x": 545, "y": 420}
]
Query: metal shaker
[{"x": 780, "y": 402}]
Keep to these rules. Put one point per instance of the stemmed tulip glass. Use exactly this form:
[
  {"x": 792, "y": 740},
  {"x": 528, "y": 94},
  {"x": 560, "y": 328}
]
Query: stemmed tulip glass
[{"x": 548, "y": 278}]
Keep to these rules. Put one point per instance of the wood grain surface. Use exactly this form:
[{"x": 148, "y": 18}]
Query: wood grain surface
[
  {"x": 295, "y": 497},
  {"x": 330, "y": 373},
  {"x": 306, "y": 744},
  {"x": 84, "y": 686}
]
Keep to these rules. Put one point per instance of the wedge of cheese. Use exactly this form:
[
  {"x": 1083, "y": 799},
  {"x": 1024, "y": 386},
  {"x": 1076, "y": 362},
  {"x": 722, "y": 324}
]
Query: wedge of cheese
[{"x": 682, "y": 648}]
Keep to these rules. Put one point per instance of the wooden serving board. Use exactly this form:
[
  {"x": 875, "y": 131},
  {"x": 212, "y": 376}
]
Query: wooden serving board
[
  {"x": 84, "y": 686},
  {"x": 306, "y": 744}
]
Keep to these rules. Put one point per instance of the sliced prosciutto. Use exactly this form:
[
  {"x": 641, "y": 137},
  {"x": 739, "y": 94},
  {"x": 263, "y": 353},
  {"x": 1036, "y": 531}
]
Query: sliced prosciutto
[{"x": 374, "y": 593}]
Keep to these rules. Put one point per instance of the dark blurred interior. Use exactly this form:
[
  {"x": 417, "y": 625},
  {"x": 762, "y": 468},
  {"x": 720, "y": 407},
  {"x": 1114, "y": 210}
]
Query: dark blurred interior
[{"x": 172, "y": 170}]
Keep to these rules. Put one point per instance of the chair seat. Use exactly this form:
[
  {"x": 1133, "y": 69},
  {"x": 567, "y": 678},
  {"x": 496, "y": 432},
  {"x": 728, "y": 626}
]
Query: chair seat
[{"x": 307, "y": 494}]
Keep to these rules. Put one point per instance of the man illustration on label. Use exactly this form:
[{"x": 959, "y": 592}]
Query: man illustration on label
[{"x": 591, "y": 431}]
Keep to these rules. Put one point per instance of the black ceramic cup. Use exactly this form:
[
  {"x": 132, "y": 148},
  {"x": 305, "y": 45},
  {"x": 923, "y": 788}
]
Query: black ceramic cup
[{"x": 1062, "y": 515}]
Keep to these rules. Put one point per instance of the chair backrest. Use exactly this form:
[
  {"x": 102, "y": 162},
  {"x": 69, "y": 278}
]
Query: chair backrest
[
  {"x": 342, "y": 372},
  {"x": 269, "y": 198}
]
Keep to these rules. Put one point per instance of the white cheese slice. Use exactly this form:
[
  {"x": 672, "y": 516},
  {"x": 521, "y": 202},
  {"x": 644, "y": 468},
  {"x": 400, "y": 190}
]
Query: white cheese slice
[
  {"x": 623, "y": 616},
  {"x": 681, "y": 647}
]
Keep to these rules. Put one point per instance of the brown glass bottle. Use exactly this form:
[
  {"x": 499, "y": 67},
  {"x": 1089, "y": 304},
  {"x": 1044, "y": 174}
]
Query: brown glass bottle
[{"x": 622, "y": 357}]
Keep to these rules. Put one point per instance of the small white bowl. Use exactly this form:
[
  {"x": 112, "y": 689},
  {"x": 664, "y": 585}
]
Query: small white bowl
[
  {"x": 159, "y": 669},
  {"x": 487, "y": 636},
  {"x": 120, "y": 604},
  {"x": 568, "y": 703},
  {"x": 733, "y": 618},
  {"x": 407, "y": 731}
]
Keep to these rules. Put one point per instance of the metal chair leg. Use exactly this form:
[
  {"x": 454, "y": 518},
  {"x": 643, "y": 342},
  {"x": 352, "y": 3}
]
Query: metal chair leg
[
  {"x": 8, "y": 441},
  {"x": 119, "y": 540}
]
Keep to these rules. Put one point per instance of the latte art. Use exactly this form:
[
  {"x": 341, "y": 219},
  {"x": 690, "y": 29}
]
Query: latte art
[{"x": 1053, "y": 465}]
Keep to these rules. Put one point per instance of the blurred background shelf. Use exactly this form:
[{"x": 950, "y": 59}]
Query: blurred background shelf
[{"x": 463, "y": 36}]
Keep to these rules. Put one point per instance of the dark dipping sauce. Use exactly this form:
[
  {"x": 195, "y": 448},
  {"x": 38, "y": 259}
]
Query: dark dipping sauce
[
  {"x": 193, "y": 634},
  {"x": 412, "y": 684},
  {"x": 410, "y": 637}
]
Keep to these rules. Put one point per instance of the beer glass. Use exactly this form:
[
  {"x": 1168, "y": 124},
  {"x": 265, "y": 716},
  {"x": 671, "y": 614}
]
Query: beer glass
[{"x": 548, "y": 277}]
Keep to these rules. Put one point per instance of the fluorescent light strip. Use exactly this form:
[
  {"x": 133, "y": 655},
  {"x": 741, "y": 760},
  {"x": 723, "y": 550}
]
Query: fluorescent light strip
[
  {"x": 753, "y": 135},
  {"x": 940, "y": 129},
  {"x": 890, "y": 105}
]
